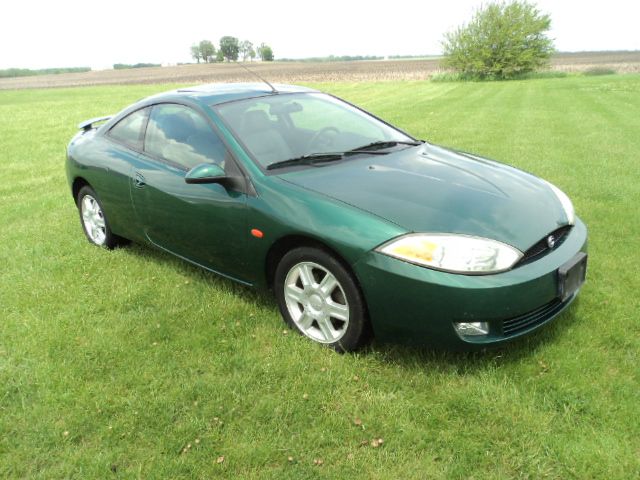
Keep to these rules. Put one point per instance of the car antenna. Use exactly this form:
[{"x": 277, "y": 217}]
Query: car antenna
[{"x": 273, "y": 89}]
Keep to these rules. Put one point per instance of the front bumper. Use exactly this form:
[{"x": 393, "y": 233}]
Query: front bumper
[{"x": 412, "y": 304}]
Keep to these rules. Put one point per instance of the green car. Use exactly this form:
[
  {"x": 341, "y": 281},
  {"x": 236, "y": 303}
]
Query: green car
[{"x": 360, "y": 229}]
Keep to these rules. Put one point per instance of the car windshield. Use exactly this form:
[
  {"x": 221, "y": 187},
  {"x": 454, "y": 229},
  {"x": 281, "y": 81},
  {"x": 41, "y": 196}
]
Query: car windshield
[{"x": 282, "y": 127}]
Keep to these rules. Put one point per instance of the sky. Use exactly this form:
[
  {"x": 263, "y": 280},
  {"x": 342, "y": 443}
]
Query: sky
[{"x": 68, "y": 33}]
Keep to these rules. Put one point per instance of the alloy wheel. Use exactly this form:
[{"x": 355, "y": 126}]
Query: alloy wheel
[
  {"x": 93, "y": 220},
  {"x": 316, "y": 302}
]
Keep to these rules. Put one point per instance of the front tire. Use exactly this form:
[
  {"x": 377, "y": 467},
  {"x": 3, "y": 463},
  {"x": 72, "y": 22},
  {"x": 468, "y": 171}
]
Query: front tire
[
  {"x": 319, "y": 298},
  {"x": 95, "y": 224}
]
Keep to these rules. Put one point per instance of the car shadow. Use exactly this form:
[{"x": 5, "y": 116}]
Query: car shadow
[
  {"x": 261, "y": 298},
  {"x": 406, "y": 356}
]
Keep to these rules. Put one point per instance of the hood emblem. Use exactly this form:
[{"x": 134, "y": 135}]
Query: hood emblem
[{"x": 551, "y": 241}]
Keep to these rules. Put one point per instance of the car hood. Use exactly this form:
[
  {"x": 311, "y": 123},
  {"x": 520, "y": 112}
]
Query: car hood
[{"x": 433, "y": 189}]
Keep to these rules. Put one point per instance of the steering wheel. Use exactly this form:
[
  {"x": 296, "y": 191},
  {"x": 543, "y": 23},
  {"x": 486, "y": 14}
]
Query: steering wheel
[{"x": 323, "y": 139}]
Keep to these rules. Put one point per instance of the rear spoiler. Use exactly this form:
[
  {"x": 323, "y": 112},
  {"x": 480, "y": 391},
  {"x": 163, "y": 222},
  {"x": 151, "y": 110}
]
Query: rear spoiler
[{"x": 88, "y": 124}]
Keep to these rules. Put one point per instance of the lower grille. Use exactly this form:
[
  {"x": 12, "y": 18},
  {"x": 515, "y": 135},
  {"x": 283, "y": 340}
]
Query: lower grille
[{"x": 531, "y": 319}]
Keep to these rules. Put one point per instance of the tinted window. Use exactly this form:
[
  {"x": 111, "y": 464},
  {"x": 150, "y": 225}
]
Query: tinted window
[
  {"x": 130, "y": 129},
  {"x": 182, "y": 136}
]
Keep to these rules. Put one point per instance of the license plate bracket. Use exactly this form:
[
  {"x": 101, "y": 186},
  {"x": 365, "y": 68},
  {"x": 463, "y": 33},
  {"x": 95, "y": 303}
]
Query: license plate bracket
[{"x": 571, "y": 276}]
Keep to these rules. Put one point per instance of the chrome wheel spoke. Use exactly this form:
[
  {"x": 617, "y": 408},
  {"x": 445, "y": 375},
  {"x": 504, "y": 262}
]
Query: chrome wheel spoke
[
  {"x": 328, "y": 284},
  {"x": 305, "y": 321},
  {"x": 294, "y": 293},
  {"x": 86, "y": 205},
  {"x": 328, "y": 331},
  {"x": 338, "y": 311},
  {"x": 99, "y": 221},
  {"x": 306, "y": 275}
]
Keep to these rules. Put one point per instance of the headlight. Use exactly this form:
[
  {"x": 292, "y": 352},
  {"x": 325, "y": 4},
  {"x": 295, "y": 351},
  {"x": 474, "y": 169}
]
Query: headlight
[
  {"x": 453, "y": 253},
  {"x": 565, "y": 202}
]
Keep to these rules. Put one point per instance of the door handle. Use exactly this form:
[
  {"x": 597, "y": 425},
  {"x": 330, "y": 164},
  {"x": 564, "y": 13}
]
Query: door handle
[{"x": 138, "y": 180}]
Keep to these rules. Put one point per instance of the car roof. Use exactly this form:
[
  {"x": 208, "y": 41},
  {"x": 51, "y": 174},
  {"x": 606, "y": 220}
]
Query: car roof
[{"x": 217, "y": 93}]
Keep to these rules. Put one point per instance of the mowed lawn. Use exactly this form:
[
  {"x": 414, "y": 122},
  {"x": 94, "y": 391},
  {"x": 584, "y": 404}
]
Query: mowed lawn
[{"x": 133, "y": 364}]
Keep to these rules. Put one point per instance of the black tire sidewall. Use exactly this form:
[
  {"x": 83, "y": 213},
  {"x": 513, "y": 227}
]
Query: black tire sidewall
[
  {"x": 110, "y": 239},
  {"x": 357, "y": 330}
]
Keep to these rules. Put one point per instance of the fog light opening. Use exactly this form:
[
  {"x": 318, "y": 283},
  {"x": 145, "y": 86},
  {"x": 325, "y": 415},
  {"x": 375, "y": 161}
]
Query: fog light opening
[{"x": 472, "y": 329}]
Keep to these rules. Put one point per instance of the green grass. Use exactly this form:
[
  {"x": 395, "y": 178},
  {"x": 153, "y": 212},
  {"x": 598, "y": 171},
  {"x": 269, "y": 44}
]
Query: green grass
[
  {"x": 595, "y": 71},
  {"x": 111, "y": 363}
]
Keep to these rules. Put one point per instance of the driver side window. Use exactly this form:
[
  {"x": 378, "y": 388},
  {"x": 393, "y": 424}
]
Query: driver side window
[{"x": 180, "y": 135}]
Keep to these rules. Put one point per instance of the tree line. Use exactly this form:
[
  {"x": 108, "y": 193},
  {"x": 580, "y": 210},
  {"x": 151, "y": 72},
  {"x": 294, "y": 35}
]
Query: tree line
[
  {"x": 124, "y": 66},
  {"x": 27, "y": 72},
  {"x": 230, "y": 49}
]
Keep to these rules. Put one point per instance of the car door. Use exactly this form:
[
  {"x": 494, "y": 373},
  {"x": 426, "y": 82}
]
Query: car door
[
  {"x": 204, "y": 223},
  {"x": 112, "y": 156}
]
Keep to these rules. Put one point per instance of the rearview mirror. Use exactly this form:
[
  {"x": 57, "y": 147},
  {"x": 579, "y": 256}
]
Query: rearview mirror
[
  {"x": 289, "y": 107},
  {"x": 205, "y": 173}
]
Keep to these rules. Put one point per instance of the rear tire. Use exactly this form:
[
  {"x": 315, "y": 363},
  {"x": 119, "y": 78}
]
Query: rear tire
[
  {"x": 95, "y": 224},
  {"x": 320, "y": 298}
]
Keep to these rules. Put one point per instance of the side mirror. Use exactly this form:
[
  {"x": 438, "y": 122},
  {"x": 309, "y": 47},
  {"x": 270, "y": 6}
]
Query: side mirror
[{"x": 205, "y": 173}]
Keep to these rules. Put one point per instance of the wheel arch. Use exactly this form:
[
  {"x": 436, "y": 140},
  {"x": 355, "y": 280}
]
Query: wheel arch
[
  {"x": 280, "y": 247},
  {"x": 77, "y": 184}
]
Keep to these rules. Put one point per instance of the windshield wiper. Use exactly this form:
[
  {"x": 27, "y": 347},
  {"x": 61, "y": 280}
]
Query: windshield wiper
[
  {"x": 313, "y": 158},
  {"x": 308, "y": 159},
  {"x": 379, "y": 145}
]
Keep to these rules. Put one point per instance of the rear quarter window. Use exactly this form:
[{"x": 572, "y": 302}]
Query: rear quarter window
[{"x": 130, "y": 130}]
